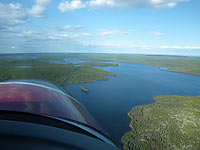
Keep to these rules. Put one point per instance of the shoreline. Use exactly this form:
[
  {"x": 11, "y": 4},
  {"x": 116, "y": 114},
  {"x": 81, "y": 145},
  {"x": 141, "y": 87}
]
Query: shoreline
[{"x": 154, "y": 124}]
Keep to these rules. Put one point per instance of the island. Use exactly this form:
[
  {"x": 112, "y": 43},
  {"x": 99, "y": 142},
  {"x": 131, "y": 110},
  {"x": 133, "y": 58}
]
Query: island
[
  {"x": 85, "y": 89},
  {"x": 172, "y": 122}
]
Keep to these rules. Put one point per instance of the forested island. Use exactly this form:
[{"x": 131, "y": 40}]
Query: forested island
[{"x": 172, "y": 122}]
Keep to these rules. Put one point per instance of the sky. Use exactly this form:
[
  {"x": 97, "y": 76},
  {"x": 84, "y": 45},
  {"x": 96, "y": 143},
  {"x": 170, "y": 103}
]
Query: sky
[{"x": 100, "y": 26}]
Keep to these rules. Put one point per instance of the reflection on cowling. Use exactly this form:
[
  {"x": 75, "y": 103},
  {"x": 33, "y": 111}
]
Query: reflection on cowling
[{"x": 42, "y": 99}]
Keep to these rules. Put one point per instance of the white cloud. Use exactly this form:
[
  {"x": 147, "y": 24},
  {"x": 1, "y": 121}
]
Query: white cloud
[
  {"x": 38, "y": 10},
  {"x": 156, "y": 33},
  {"x": 156, "y": 4},
  {"x": 71, "y": 35},
  {"x": 12, "y": 15},
  {"x": 107, "y": 44},
  {"x": 42, "y": 2},
  {"x": 102, "y": 3},
  {"x": 140, "y": 47},
  {"x": 103, "y": 33},
  {"x": 111, "y": 32},
  {"x": 68, "y": 28},
  {"x": 59, "y": 36},
  {"x": 29, "y": 34},
  {"x": 181, "y": 47},
  {"x": 153, "y": 4},
  {"x": 71, "y": 6},
  {"x": 13, "y": 47}
]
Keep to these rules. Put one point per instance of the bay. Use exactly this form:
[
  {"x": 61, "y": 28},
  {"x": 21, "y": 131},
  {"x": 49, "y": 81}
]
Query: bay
[{"x": 109, "y": 101}]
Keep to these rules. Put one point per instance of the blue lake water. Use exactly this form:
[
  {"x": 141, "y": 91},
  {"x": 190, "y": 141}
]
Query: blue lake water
[
  {"x": 74, "y": 61},
  {"x": 109, "y": 101},
  {"x": 23, "y": 66}
]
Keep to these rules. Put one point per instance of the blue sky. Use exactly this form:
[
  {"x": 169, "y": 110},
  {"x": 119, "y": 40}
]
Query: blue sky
[{"x": 100, "y": 26}]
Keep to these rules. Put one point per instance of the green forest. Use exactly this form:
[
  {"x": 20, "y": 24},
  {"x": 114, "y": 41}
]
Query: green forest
[
  {"x": 172, "y": 122},
  {"x": 29, "y": 67}
]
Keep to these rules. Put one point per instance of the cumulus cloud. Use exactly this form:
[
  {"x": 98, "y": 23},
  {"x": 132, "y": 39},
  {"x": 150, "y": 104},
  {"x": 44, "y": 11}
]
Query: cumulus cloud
[
  {"x": 102, "y": 3},
  {"x": 29, "y": 34},
  {"x": 12, "y": 15},
  {"x": 71, "y": 6},
  {"x": 156, "y": 33},
  {"x": 70, "y": 35},
  {"x": 68, "y": 28},
  {"x": 38, "y": 10},
  {"x": 155, "y": 4}
]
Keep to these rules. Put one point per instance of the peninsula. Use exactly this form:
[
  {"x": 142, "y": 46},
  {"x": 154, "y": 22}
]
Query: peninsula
[
  {"x": 172, "y": 122},
  {"x": 12, "y": 68}
]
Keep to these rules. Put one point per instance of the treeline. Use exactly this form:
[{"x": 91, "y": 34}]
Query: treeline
[
  {"x": 171, "y": 123},
  {"x": 98, "y": 64},
  {"x": 39, "y": 69}
]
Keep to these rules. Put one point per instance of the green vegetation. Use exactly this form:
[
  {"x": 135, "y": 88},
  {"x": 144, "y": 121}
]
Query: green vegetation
[
  {"x": 173, "y": 122},
  {"x": 97, "y": 64},
  {"x": 188, "y": 65},
  {"x": 85, "y": 89},
  {"x": 57, "y": 73}
]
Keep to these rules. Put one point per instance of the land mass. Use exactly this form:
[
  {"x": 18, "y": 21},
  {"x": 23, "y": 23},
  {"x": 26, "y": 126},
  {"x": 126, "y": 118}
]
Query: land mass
[
  {"x": 39, "y": 68},
  {"x": 182, "y": 64},
  {"x": 97, "y": 64},
  {"x": 172, "y": 122}
]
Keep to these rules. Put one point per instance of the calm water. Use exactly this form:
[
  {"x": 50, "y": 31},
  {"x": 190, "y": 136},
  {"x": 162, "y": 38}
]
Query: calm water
[
  {"x": 23, "y": 66},
  {"x": 109, "y": 101},
  {"x": 74, "y": 61}
]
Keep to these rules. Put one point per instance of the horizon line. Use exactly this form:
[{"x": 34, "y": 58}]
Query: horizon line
[{"x": 156, "y": 54}]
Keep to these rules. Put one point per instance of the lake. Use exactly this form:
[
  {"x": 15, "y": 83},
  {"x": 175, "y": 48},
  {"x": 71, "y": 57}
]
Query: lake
[
  {"x": 23, "y": 66},
  {"x": 109, "y": 101},
  {"x": 73, "y": 61}
]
